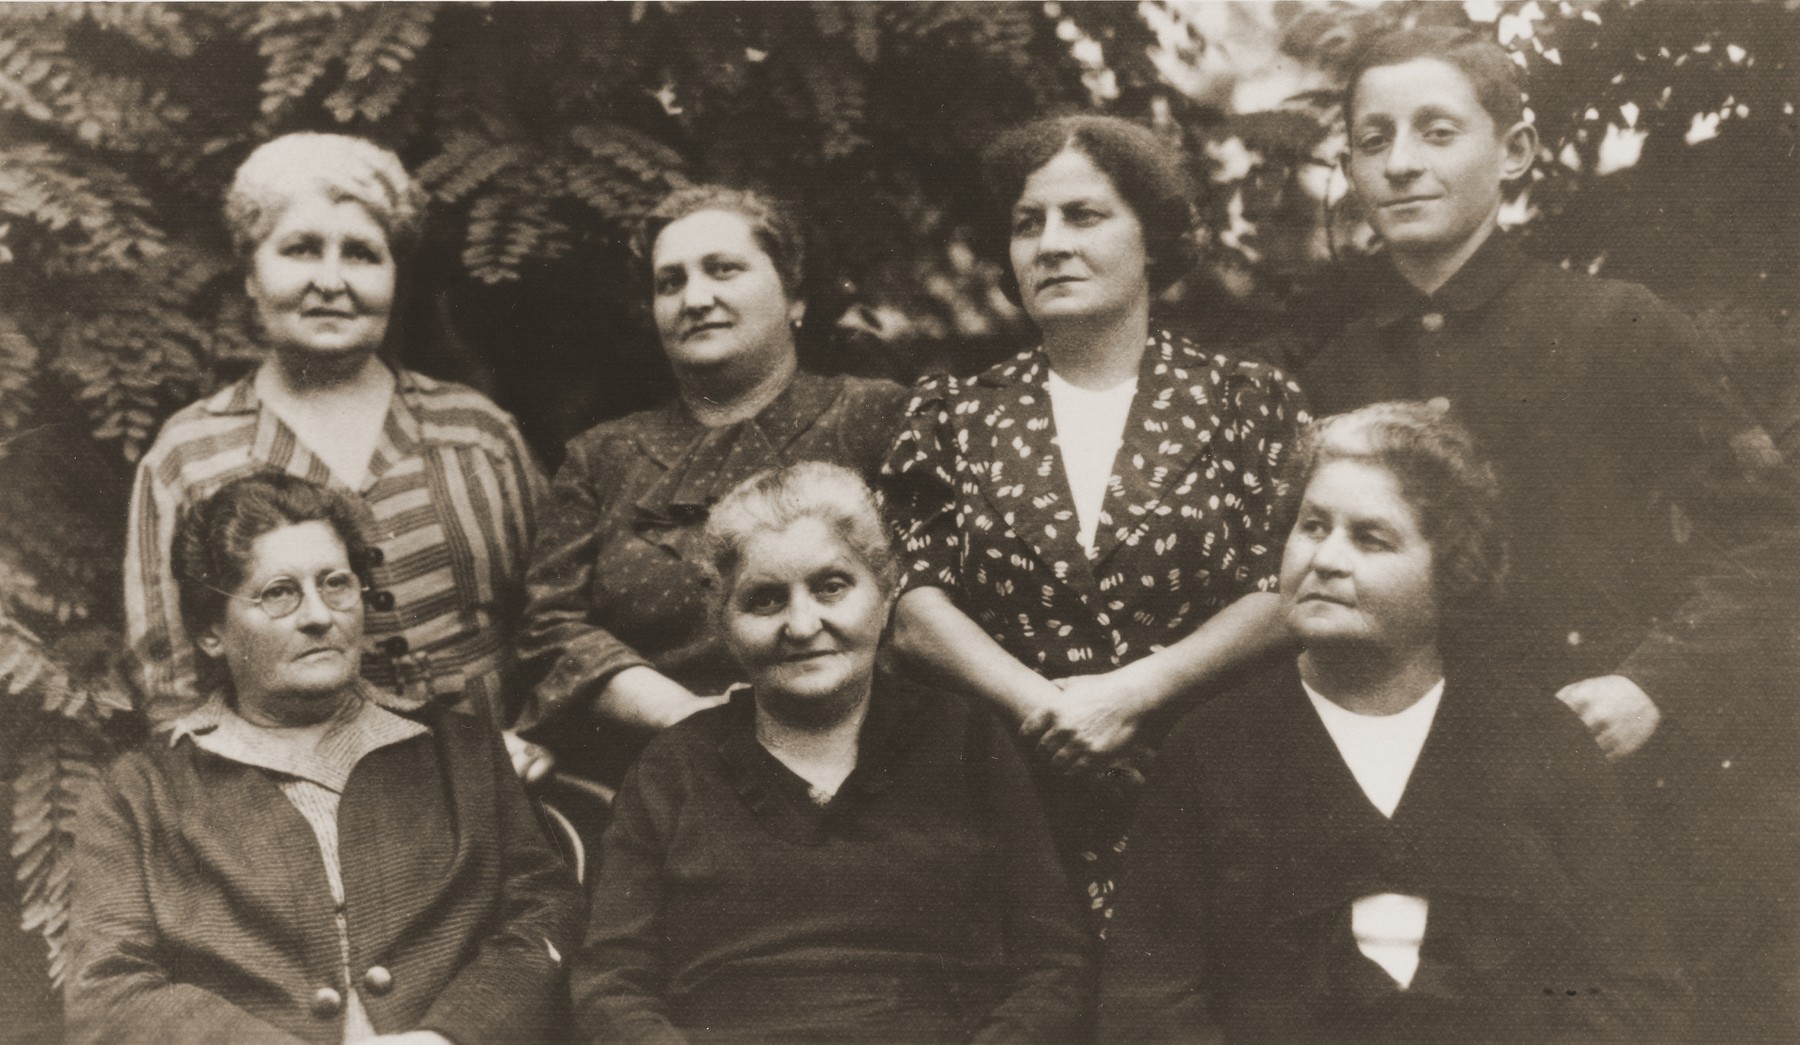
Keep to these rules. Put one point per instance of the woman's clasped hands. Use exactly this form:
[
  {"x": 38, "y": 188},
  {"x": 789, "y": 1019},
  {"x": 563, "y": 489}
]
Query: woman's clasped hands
[{"x": 1091, "y": 723}]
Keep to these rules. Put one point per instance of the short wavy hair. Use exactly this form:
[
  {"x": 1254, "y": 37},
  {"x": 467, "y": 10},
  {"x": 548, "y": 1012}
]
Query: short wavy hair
[
  {"x": 776, "y": 498},
  {"x": 341, "y": 167},
  {"x": 774, "y": 225},
  {"x": 1443, "y": 476},
  {"x": 215, "y": 538},
  {"x": 1498, "y": 82},
  {"x": 1149, "y": 173}
]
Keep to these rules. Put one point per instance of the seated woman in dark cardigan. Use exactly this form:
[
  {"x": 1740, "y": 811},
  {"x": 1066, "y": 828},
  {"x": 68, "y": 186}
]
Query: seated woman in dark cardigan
[
  {"x": 304, "y": 856},
  {"x": 1374, "y": 843},
  {"x": 833, "y": 855}
]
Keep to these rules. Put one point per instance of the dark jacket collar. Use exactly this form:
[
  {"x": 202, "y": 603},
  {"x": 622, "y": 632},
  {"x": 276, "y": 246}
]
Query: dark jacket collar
[
  {"x": 704, "y": 463},
  {"x": 1490, "y": 270}
]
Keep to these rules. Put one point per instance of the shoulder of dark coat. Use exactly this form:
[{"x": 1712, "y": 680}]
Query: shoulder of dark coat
[
  {"x": 870, "y": 393},
  {"x": 618, "y": 435},
  {"x": 1232, "y": 724},
  {"x": 1546, "y": 293}
]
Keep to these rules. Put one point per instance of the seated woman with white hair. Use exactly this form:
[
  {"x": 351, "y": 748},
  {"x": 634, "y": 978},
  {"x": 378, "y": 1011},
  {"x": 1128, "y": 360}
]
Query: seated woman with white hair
[
  {"x": 834, "y": 854},
  {"x": 325, "y": 225}
]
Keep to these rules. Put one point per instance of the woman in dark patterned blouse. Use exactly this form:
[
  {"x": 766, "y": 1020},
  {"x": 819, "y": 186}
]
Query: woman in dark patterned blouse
[
  {"x": 617, "y": 638},
  {"x": 1090, "y": 527}
]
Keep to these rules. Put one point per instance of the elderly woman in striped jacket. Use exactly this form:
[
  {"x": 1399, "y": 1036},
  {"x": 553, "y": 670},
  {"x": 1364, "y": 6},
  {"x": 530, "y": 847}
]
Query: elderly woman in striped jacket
[{"x": 323, "y": 224}]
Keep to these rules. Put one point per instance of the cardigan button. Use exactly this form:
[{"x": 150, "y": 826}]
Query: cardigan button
[
  {"x": 378, "y": 980},
  {"x": 327, "y": 1003},
  {"x": 394, "y": 646},
  {"x": 1432, "y": 322},
  {"x": 381, "y": 601}
]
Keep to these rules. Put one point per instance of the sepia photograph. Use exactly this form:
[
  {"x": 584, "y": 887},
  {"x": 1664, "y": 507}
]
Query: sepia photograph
[{"x": 907, "y": 522}]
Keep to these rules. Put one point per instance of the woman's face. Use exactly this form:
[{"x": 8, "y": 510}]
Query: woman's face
[
  {"x": 718, "y": 298},
  {"x": 1357, "y": 570},
  {"x": 296, "y": 666},
  {"x": 804, "y": 615},
  {"x": 1077, "y": 246},
  {"x": 323, "y": 278}
]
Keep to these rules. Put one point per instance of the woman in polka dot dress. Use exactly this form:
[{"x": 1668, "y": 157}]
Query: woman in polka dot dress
[{"x": 1090, "y": 529}]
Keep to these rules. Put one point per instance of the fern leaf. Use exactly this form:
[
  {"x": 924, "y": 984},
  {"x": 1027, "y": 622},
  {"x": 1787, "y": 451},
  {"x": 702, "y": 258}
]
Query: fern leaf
[
  {"x": 298, "y": 41},
  {"x": 376, "y": 69},
  {"x": 96, "y": 218},
  {"x": 56, "y": 771},
  {"x": 467, "y": 163},
  {"x": 23, "y": 67},
  {"x": 131, "y": 369},
  {"x": 18, "y": 369},
  {"x": 152, "y": 26},
  {"x": 511, "y": 226}
]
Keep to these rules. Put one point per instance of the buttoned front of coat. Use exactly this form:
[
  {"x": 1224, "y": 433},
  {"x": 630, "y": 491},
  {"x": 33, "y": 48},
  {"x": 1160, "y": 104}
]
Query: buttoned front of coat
[{"x": 202, "y": 911}]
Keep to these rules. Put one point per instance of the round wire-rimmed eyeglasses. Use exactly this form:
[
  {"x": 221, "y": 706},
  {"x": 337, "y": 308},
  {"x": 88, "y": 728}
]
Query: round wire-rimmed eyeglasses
[{"x": 340, "y": 590}]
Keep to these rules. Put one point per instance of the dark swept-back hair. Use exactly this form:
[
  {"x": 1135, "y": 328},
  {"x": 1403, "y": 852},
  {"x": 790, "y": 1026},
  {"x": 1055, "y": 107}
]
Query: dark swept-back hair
[
  {"x": 773, "y": 224},
  {"x": 1498, "y": 82},
  {"x": 1444, "y": 478},
  {"x": 214, "y": 538},
  {"x": 1149, "y": 173}
]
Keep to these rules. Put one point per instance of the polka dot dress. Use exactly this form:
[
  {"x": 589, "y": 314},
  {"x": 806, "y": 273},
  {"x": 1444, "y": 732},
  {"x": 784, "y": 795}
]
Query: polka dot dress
[{"x": 976, "y": 486}]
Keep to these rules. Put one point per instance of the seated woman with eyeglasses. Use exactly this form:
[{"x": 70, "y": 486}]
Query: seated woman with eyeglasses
[{"x": 295, "y": 859}]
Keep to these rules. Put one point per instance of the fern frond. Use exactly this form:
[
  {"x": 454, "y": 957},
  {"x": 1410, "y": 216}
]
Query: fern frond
[
  {"x": 18, "y": 371},
  {"x": 510, "y": 226},
  {"x": 56, "y": 772},
  {"x": 93, "y": 217},
  {"x": 131, "y": 369},
  {"x": 30, "y": 63},
  {"x": 620, "y": 172},
  {"x": 298, "y": 42},
  {"x": 378, "y": 65},
  {"x": 467, "y": 163},
  {"x": 152, "y": 26}
]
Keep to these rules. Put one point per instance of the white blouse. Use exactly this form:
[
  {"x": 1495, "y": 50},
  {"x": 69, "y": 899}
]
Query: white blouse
[
  {"x": 1382, "y": 751},
  {"x": 1090, "y": 426}
]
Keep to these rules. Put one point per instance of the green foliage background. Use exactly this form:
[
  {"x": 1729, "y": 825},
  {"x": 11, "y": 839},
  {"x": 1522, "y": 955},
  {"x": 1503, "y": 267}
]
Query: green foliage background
[{"x": 544, "y": 131}]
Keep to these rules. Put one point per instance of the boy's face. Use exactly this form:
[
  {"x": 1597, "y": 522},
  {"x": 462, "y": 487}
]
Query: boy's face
[{"x": 1426, "y": 159}]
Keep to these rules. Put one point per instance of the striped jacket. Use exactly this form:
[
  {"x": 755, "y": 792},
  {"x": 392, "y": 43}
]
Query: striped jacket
[{"x": 450, "y": 493}]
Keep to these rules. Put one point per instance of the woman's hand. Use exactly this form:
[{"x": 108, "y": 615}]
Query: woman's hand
[
  {"x": 531, "y": 762},
  {"x": 1092, "y": 723},
  {"x": 1620, "y": 715},
  {"x": 646, "y": 697}
]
